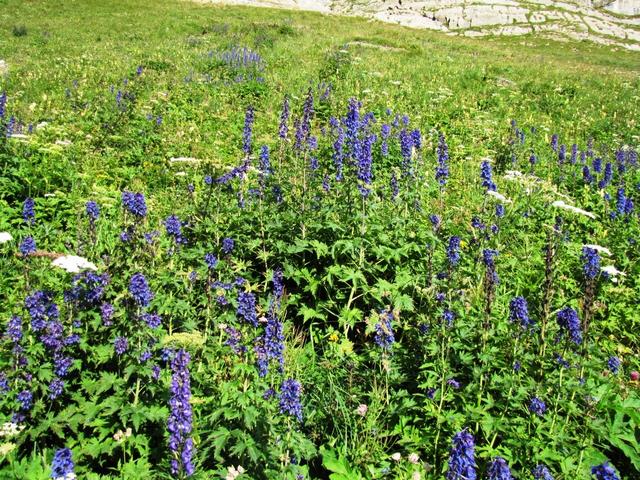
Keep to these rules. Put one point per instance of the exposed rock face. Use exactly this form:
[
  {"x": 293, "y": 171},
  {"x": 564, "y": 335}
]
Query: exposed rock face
[{"x": 568, "y": 19}]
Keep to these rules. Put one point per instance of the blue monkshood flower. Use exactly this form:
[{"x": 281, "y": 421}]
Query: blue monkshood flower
[
  {"x": 395, "y": 188},
  {"x": 228, "y": 245},
  {"x": 4, "y": 383},
  {"x": 269, "y": 393},
  {"x": 145, "y": 356},
  {"x": 554, "y": 142},
  {"x": 27, "y": 246},
  {"x": 289, "y": 397},
  {"x": 365, "y": 163},
  {"x": 139, "y": 290},
  {"x": 562, "y": 154},
  {"x": 262, "y": 360},
  {"x": 499, "y": 470},
  {"x": 453, "y": 383},
  {"x": 278, "y": 285},
  {"x": 477, "y": 223},
  {"x": 25, "y": 398},
  {"x": 283, "y": 130},
  {"x": 596, "y": 164},
  {"x": 614, "y": 364},
  {"x": 621, "y": 202},
  {"x": 42, "y": 309},
  {"x": 150, "y": 237},
  {"x": 153, "y": 320},
  {"x": 135, "y": 204},
  {"x": 604, "y": 471},
  {"x": 173, "y": 225},
  {"x": 586, "y": 175},
  {"x": 247, "y": 308},
  {"x": 211, "y": 260},
  {"x": 384, "y": 330},
  {"x": 265, "y": 164},
  {"x": 591, "y": 263},
  {"x": 87, "y": 289},
  {"x": 440, "y": 297},
  {"x": 155, "y": 372},
  {"x": 453, "y": 251},
  {"x": 93, "y": 211},
  {"x": 570, "y": 324},
  {"x": 106, "y": 313},
  {"x": 436, "y": 222},
  {"x": 494, "y": 228},
  {"x": 406, "y": 146},
  {"x": 416, "y": 138},
  {"x": 62, "y": 467},
  {"x": 442, "y": 170},
  {"x": 235, "y": 337},
  {"x": 274, "y": 339},
  {"x": 537, "y": 406},
  {"x": 28, "y": 213},
  {"x": 326, "y": 185},
  {"x": 14, "y": 329},
  {"x": 462, "y": 464},
  {"x": 541, "y": 472},
  {"x": 519, "y": 312},
  {"x": 385, "y": 131},
  {"x": 486, "y": 176},
  {"x": 607, "y": 176},
  {"x": 56, "y": 387},
  {"x": 120, "y": 345},
  {"x": 448, "y": 317},
  {"x": 532, "y": 159},
  {"x": 517, "y": 366},
  {"x": 180, "y": 422},
  {"x": 247, "y": 132},
  {"x": 574, "y": 154},
  {"x": 499, "y": 210},
  {"x": 62, "y": 364}
]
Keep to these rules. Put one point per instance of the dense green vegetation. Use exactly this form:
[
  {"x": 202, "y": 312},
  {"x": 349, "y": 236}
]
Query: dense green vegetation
[{"x": 396, "y": 262}]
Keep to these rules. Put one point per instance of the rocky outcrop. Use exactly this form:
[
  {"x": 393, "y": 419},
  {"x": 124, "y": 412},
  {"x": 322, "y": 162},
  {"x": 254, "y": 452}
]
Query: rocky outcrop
[{"x": 569, "y": 19}]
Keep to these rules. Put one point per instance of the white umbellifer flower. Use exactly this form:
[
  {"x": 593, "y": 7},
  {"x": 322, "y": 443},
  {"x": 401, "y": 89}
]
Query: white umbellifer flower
[
  {"x": 9, "y": 429},
  {"x": 233, "y": 472},
  {"x": 73, "y": 263},
  {"x": 63, "y": 143},
  {"x": 612, "y": 271},
  {"x": 498, "y": 196},
  {"x": 396, "y": 457},
  {"x": 416, "y": 476},
  {"x": 19, "y": 136},
  {"x": 413, "y": 458},
  {"x": 564, "y": 206},
  {"x": 362, "y": 409},
  {"x": 6, "y": 448},
  {"x": 5, "y": 237},
  {"x": 183, "y": 160},
  {"x": 599, "y": 248},
  {"x": 180, "y": 174},
  {"x": 49, "y": 195}
]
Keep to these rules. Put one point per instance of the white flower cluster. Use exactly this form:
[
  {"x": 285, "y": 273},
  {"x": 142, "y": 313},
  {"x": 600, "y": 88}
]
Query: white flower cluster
[
  {"x": 564, "y": 206},
  {"x": 9, "y": 429},
  {"x": 73, "y": 263},
  {"x": 233, "y": 472}
]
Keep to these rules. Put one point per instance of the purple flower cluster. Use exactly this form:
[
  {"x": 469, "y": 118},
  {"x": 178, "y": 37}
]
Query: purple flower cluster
[
  {"x": 180, "y": 420},
  {"x": 228, "y": 245},
  {"x": 62, "y": 466},
  {"x": 173, "y": 226},
  {"x": 462, "y": 464},
  {"x": 87, "y": 289},
  {"x": 139, "y": 290},
  {"x": 247, "y": 308},
  {"x": 248, "y": 130},
  {"x": 28, "y": 213},
  {"x": 591, "y": 263},
  {"x": 442, "y": 170},
  {"x": 541, "y": 472},
  {"x": 135, "y": 204},
  {"x": 519, "y": 312},
  {"x": 120, "y": 345},
  {"x": 93, "y": 211},
  {"x": 235, "y": 337},
  {"x": 453, "y": 251},
  {"x": 537, "y": 406},
  {"x": 604, "y": 471},
  {"x": 211, "y": 260},
  {"x": 289, "y": 397},
  {"x": 27, "y": 246},
  {"x": 614, "y": 364},
  {"x": 499, "y": 470},
  {"x": 284, "y": 119},
  {"x": 570, "y": 324},
  {"x": 384, "y": 330},
  {"x": 485, "y": 175}
]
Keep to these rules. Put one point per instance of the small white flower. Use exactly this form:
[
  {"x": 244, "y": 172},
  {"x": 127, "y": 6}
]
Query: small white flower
[
  {"x": 498, "y": 196},
  {"x": 6, "y": 448},
  {"x": 19, "y": 136},
  {"x": 414, "y": 458},
  {"x": 396, "y": 457},
  {"x": 599, "y": 248},
  {"x": 362, "y": 409},
  {"x": 63, "y": 143},
  {"x": 184, "y": 160},
  {"x": 180, "y": 174},
  {"x": 73, "y": 263},
  {"x": 416, "y": 476},
  {"x": 233, "y": 473},
  {"x": 564, "y": 206},
  {"x": 5, "y": 237},
  {"x": 9, "y": 429},
  {"x": 612, "y": 271},
  {"x": 49, "y": 195}
]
